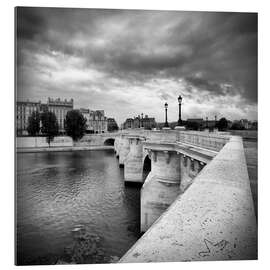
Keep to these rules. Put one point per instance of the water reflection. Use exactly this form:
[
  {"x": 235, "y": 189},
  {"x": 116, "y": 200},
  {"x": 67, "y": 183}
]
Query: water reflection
[{"x": 59, "y": 192}]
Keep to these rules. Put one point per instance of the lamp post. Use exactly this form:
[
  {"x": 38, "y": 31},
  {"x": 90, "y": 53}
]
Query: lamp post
[
  {"x": 166, "y": 120},
  {"x": 180, "y": 103}
]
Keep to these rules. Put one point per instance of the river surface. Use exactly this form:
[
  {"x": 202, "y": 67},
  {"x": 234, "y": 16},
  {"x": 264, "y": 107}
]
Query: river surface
[{"x": 73, "y": 207}]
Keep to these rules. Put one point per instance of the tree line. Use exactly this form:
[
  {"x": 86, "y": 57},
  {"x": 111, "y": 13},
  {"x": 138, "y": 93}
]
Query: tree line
[
  {"x": 46, "y": 123},
  {"x": 222, "y": 125}
]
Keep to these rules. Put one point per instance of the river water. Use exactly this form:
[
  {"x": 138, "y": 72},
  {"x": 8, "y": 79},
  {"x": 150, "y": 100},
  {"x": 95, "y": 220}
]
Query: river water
[{"x": 73, "y": 207}]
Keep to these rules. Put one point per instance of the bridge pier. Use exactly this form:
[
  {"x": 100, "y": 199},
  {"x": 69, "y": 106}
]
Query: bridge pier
[
  {"x": 161, "y": 186},
  {"x": 117, "y": 146},
  {"x": 124, "y": 150},
  {"x": 133, "y": 164}
]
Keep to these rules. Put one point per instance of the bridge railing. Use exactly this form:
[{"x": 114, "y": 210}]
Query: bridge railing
[
  {"x": 204, "y": 140},
  {"x": 211, "y": 141}
]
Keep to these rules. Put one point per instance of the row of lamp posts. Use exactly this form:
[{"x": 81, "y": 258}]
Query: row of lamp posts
[{"x": 166, "y": 125}]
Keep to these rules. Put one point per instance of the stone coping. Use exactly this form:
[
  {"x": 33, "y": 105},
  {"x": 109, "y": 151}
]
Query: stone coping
[{"x": 213, "y": 220}]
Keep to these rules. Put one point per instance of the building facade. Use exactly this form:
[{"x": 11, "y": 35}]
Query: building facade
[
  {"x": 57, "y": 106},
  {"x": 140, "y": 122},
  {"x": 98, "y": 122},
  {"x": 246, "y": 123},
  {"x": 60, "y": 108},
  {"x": 148, "y": 122},
  {"x": 24, "y": 110}
]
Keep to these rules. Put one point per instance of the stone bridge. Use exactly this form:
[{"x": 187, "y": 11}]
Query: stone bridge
[
  {"x": 98, "y": 139},
  {"x": 195, "y": 198}
]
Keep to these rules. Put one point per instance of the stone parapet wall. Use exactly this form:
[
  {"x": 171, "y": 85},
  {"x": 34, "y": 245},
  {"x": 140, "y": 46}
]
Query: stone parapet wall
[
  {"x": 205, "y": 140},
  {"x": 208, "y": 140},
  {"x": 213, "y": 220}
]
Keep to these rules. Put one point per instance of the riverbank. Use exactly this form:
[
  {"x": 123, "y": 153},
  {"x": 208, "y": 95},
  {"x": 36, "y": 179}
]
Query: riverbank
[{"x": 62, "y": 149}]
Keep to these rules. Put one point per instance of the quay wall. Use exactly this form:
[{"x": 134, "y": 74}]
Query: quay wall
[
  {"x": 28, "y": 142},
  {"x": 212, "y": 220},
  {"x": 64, "y": 141},
  {"x": 88, "y": 140}
]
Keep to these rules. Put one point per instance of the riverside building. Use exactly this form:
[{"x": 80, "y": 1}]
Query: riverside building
[
  {"x": 60, "y": 108},
  {"x": 24, "y": 110},
  {"x": 140, "y": 122},
  {"x": 98, "y": 122},
  {"x": 57, "y": 106}
]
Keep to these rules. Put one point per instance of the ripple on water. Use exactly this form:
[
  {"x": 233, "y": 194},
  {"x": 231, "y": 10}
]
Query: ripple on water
[{"x": 63, "y": 192}]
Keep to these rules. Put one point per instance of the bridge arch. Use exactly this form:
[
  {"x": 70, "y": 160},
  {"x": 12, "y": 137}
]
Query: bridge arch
[
  {"x": 147, "y": 164},
  {"x": 109, "y": 141}
]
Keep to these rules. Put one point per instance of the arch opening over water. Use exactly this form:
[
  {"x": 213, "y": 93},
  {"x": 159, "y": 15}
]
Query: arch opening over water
[
  {"x": 146, "y": 167},
  {"x": 109, "y": 141}
]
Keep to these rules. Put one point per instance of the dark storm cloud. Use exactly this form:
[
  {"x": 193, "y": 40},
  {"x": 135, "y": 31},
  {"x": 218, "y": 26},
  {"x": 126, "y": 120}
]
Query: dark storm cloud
[
  {"x": 29, "y": 23},
  {"x": 204, "y": 84},
  {"x": 214, "y": 53}
]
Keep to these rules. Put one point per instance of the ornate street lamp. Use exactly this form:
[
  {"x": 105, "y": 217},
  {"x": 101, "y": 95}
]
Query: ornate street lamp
[
  {"x": 166, "y": 120},
  {"x": 179, "y": 118}
]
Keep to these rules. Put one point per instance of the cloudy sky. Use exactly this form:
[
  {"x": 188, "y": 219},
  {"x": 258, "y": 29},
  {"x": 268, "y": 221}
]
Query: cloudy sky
[{"x": 128, "y": 62}]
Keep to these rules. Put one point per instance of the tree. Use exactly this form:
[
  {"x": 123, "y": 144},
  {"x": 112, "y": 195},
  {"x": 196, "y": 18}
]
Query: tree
[
  {"x": 75, "y": 124},
  {"x": 112, "y": 125},
  {"x": 33, "y": 126},
  {"x": 254, "y": 125},
  {"x": 222, "y": 124},
  {"x": 49, "y": 126},
  {"x": 237, "y": 126}
]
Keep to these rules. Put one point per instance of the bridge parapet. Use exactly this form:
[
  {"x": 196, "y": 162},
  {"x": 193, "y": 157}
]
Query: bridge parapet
[
  {"x": 205, "y": 140},
  {"x": 211, "y": 141}
]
